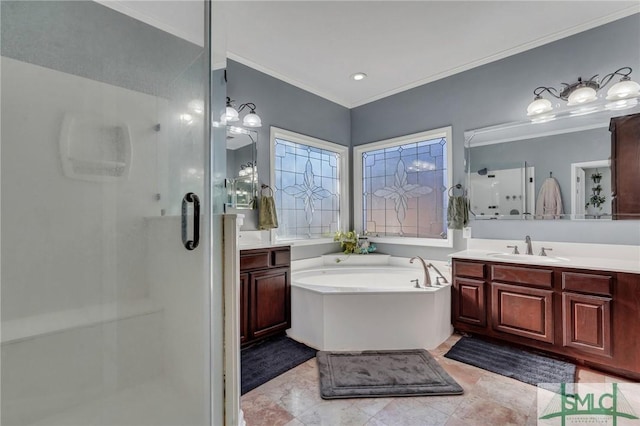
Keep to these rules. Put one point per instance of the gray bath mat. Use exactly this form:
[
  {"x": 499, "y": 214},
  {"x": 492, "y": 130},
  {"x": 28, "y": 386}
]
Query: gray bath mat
[
  {"x": 368, "y": 374},
  {"x": 526, "y": 366}
]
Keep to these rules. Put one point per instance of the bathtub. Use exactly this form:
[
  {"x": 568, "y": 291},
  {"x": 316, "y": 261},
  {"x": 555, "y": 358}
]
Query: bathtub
[{"x": 368, "y": 302}]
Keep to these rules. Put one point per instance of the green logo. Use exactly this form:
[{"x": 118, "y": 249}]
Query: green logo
[{"x": 613, "y": 405}]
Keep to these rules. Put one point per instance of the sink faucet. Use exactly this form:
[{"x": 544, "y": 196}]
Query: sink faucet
[
  {"x": 427, "y": 278},
  {"x": 527, "y": 241}
]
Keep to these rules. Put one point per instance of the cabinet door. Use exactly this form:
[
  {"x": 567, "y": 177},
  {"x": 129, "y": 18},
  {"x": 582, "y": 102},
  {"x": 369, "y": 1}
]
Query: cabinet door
[
  {"x": 522, "y": 311},
  {"x": 469, "y": 302},
  {"x": 625, "y": 173},
  {"x": 587, "y": 323},
  {"x": 244, "y": 305},
  {"x": 270, "y": 296}
]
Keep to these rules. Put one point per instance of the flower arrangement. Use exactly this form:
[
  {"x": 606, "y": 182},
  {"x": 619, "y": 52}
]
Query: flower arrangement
[{"x": 348, "y": 241}]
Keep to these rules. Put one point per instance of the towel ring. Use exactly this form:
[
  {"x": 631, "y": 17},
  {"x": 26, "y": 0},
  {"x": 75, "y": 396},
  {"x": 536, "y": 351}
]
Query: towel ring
[
  {"x": 263, "y": 186},
  {"x": 453, "y": 188}
]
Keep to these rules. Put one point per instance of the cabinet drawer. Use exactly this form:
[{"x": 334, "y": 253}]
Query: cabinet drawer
[
  {"x": 587, "y": 283},
  {"x": 254, "y": 260},
  {"x": 469, "y": 269},
  {"x": 515, "y": 274},
  {"x": 281, "y": 257}
]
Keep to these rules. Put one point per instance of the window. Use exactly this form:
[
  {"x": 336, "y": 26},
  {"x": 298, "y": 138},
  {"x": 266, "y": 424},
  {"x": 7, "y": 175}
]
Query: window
[
  {"x": 310, "y": 181},
  {"x": 404, "y": 182}
]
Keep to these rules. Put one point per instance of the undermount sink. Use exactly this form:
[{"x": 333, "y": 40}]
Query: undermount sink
[{"x": 525, "y": 258}]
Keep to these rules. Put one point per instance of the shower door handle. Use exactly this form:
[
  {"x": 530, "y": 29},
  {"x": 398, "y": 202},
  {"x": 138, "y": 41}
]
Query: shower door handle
[{"x": 190, "y": 197}]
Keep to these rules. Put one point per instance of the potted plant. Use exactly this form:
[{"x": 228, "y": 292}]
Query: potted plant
[
  {"x": 348, "y": 241},
  {"x": 596, "y": 201},
  {"x": 596, "y": 177}
]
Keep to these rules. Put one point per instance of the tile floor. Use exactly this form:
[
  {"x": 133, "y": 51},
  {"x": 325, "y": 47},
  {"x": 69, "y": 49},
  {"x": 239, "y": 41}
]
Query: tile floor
[{"x": 489, "y": 399}]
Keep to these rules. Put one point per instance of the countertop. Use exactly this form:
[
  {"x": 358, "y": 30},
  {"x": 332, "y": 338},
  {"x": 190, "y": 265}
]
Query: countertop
[{"x": 599, "y": 263}]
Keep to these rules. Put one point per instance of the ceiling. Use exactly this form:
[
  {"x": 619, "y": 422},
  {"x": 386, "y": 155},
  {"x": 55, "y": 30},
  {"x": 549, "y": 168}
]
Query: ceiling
[{"x": 317, "y": 45}]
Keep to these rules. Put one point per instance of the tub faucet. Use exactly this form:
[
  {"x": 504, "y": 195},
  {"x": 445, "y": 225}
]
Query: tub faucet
[
  {"x": 427, "y": 278},
  {"x": 444, "y": 279},
  {"x": 527, "y": 241}
]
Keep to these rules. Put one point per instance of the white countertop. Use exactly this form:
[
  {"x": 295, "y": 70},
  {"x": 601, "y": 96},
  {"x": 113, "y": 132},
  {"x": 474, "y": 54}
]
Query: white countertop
[{"x": 593, "y": 256}]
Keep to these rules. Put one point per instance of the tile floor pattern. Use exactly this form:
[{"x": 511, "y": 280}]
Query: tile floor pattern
[{"x": 293, "y": 398}]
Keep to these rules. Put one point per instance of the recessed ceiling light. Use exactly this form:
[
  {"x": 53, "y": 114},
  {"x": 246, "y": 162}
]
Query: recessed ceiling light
[{"x": 358, "y": 76}]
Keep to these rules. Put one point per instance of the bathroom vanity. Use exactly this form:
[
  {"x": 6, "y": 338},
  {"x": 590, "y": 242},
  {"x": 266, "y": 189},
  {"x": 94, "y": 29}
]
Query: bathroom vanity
[
  {"x": 588, "y": 315},
  {"x": 265, "y": 292}
]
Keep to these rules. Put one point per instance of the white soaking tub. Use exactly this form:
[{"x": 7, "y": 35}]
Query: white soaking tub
[{"x": 368, "y": 302}]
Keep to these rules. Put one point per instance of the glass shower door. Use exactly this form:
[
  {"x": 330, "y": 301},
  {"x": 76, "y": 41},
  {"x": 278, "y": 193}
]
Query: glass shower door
[{"x": 105, "y": 233}]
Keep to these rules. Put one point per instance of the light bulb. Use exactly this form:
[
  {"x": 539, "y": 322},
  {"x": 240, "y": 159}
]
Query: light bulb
[
  {"x": 582, "y": 95},
  {"x": 252, "y": 120},
  {"x": 624, "y": 89},
  {"x": 230, "y": 115},
  {"x": 539, "y": 106}
]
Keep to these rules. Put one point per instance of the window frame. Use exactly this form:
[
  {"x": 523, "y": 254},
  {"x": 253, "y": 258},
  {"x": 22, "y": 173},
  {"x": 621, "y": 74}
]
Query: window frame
[
  {"x": 358, "y": 208},
  {"x": 343, "y": 178}
]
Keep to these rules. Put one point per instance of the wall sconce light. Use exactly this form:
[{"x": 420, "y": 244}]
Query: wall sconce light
[
  {"x": 622, "y": 94},
  {"x": 232, "y": 115}
]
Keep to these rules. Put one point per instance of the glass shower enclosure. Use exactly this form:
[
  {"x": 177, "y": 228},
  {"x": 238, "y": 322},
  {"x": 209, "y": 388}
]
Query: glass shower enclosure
[{"x": 109, "y": 245}]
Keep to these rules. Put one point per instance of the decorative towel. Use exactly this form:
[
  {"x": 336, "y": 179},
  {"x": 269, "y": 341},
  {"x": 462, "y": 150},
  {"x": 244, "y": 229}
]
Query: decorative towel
[
  {"x": 458, "y": 212},
  {"x": 267, "y": 218},
  {"x": 549, "y": 202}
]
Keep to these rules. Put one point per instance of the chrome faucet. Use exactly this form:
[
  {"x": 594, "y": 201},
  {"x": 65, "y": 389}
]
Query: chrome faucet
[
  {"x": 427, "y": 278},
  {"x": 527, "y": 241}
]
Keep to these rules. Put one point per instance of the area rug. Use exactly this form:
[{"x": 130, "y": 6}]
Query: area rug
[
  {"x": 525, "y": 366},
  {"x": 369, "y": 374},
  {"x": 270, "y": 358}
]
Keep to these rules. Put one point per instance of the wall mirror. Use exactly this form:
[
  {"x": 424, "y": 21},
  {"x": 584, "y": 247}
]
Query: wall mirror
[
  {"x": 526, "y": 170},
  {"x": 242, "y": 173}
]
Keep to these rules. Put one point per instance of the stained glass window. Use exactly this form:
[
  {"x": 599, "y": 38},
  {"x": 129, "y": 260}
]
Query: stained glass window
[
  {"x": 404, "y": 187},
  {"x": 307, "y": 188}
]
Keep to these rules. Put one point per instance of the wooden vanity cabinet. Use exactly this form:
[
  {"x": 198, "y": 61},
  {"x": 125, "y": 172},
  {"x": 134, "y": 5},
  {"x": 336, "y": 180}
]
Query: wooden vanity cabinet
[
  {"x": 265, "y": 293},
  {"x": 625, "y": 171},
  {"x": 592, "y": 317}
]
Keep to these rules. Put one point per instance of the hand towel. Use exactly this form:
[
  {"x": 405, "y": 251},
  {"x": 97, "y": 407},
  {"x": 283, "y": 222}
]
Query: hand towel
[
  {"x": 267, "y": 218},
  {"x": 458, "y": 212}
]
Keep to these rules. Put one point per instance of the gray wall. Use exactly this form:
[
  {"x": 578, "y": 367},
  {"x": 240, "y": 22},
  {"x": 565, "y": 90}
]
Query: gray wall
[
  {"x": 282, "y": 105},
  {"x": 500, "y": 92}
]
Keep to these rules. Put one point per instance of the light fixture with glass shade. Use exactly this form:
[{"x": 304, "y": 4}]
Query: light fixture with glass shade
[
  {"x": 621, "y": 94},
  {"x": 232, "y": 115}
]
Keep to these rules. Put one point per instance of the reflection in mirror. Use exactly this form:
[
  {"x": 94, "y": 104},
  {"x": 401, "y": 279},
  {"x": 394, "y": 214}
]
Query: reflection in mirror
[
  {"x": 555, "y": 170},
  {"x": 504, "y": 190},
  {"x": 242, "y": 173}
]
